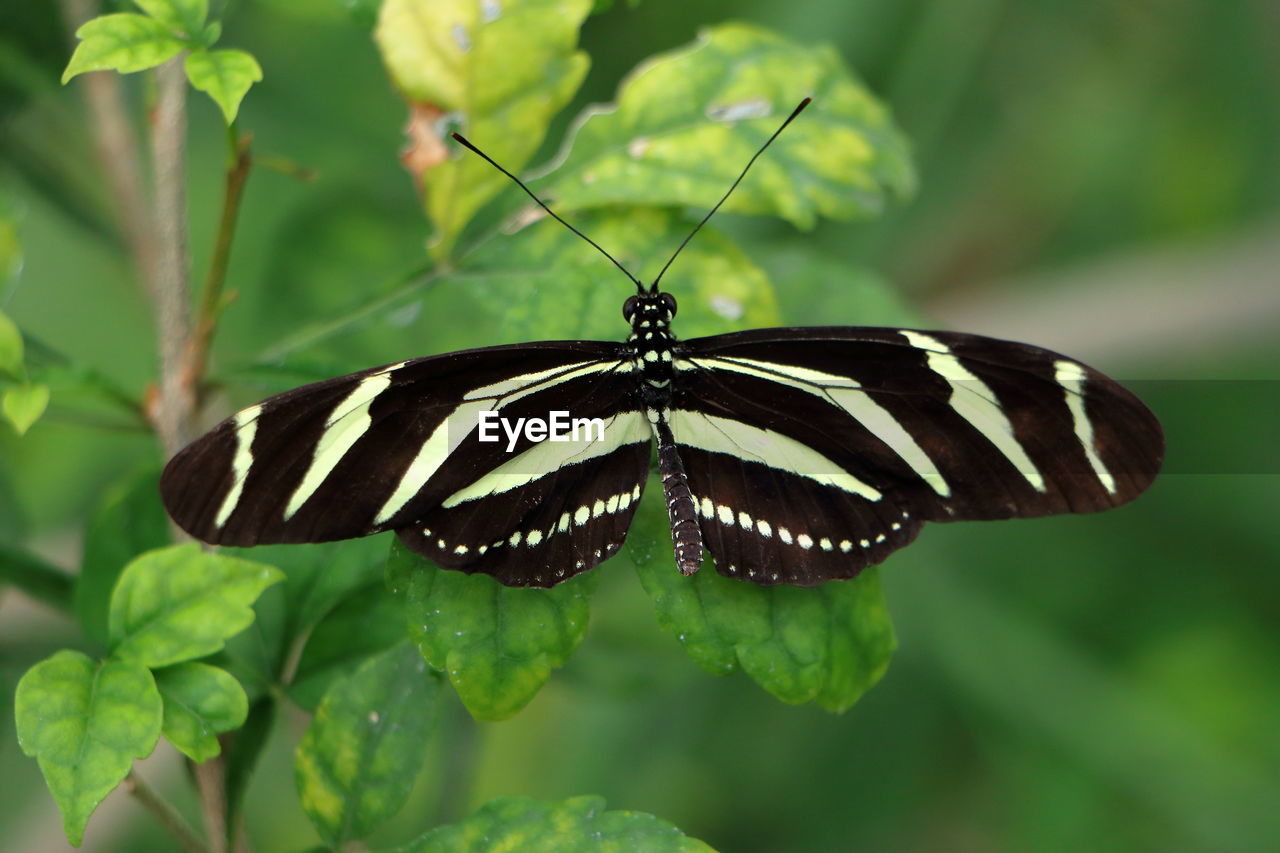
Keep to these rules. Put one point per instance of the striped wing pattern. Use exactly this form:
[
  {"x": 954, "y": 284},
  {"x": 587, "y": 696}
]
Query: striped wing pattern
[
  {"x": 388, "y": 448},
  {"x": 813, "y": 453}
]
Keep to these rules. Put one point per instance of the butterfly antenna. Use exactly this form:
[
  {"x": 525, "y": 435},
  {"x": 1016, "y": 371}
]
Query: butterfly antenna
[
  {"x": 698, "y": 227},
  {"x": 462, "y": 140}
]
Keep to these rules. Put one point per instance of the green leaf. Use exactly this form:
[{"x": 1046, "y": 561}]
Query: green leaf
[
  {"x": 497, "y": 644},
  {"x": 358, "y": 759},
  {"x": 129, "y": 521},
  {"x": 366, "y": 623},
  {"x": 10, "y": 348},
  {"x": 443, "y": 55},
  {"x": 827, "y": 644},
  {"x": 124, "y": 42},
  {"x": 225, "y": 75},
  {"x": 184, "y": 17},
  {"x": 85, "y": 722},
  {"x": 181, "y": 603},
  {"x": 686, "y": 123},
  {"x": 24, "y": 404},
  {"x": 200, "y": 702},
  {"x": 544, "y": 282},
  {"x": 576, "y": 825}
]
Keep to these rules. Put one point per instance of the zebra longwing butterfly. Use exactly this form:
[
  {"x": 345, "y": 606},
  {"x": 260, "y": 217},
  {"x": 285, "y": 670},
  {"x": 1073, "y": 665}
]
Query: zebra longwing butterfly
[{"x": 792, "y": 455}]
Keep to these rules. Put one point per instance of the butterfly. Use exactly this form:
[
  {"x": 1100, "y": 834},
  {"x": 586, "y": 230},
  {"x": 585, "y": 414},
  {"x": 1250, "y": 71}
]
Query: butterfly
[{"x": 792, "y": 455}]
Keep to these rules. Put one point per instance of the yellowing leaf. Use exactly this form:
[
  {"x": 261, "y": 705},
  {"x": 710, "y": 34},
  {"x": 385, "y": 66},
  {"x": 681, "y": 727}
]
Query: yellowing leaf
[
  {"x": 123, "y": 42},
  {"x": 225, "y": 75},
  {"x": 503, "y": 68},
  {"x": 687, "y": 122}
]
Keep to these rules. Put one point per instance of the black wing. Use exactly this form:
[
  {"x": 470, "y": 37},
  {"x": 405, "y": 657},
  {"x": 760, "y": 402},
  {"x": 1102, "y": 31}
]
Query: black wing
[
  {"x": 397, "y": 448},
  {"x": 815, "y": 452}
]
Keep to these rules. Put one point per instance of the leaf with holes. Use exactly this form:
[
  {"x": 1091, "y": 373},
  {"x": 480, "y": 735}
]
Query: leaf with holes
[
  {"x": 497, "y": 644},
  {"x": 828, "y": 644},
  {"x": 123, "y": 42},
  {"x": 200, "y": 703},
  {"x": 85, "y": 722},
  {"x": 685, "y": 123},
  {"x": 441, "y": 54},
  {"x": 358, "y": 759},
  {"x": 181, "y": 603},
  {"x": 225, "y": 76},
  {"x": 576, "y": 825}
]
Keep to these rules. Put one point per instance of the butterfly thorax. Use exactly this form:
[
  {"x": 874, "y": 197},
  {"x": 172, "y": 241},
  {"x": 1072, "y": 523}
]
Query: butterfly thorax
[{"x": 652, "y": 345}]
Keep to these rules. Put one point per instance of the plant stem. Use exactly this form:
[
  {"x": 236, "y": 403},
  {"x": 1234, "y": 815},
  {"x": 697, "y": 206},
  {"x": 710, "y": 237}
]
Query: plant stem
[
  {"x": 165, "y": 813},
  {"x": 175, "y": 403},
  {"x": 211, "y": 783},
  {"x": 211, "y": 298}
]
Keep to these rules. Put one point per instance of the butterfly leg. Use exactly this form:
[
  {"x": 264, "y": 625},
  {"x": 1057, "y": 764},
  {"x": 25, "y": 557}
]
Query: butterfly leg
[{"x": 681, "y": 509}]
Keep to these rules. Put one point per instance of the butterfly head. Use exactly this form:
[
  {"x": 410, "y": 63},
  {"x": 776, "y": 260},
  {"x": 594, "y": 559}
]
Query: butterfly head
[{"x": 649, "y": 310}]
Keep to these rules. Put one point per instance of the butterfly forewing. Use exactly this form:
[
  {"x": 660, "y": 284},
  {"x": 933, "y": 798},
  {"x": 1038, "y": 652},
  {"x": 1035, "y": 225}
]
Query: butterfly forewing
[
  {"x": 373, "y": 450},
  {"x": 895, "y": 427}
]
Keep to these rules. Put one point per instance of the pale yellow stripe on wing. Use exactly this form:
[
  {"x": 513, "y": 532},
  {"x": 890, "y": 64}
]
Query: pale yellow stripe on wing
[
  {"x": 1071, "y": 377},
  {"x": 974, "y": 401},
  {"x": 246, "y": 427},
  {"x": 349, "y": 420}
]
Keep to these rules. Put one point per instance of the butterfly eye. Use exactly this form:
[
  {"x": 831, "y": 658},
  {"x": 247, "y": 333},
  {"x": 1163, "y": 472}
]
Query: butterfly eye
[
  {"x": 629, "y": 308},
  {"x": 669, "y": 302}
]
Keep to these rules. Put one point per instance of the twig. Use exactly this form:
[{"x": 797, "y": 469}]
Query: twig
[
  {"x": 211, "y": 783},
  {"x": 212, "y": 299},
  {"x": 165, "y": 813},
  {"x": 175, "y": 403}
]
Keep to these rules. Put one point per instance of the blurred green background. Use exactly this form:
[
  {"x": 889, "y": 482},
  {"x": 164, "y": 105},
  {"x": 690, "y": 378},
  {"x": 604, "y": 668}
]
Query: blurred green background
[{"x": 1100, "y": 178}]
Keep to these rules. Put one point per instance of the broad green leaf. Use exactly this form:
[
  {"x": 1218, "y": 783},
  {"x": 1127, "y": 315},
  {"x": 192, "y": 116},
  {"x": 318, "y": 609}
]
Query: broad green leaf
[
  {"x": 576, "y": 825},
  {"x": 821, "y": 289},
  {"x": 687, "y": 122},
  {"x": 123, "y": 42},
  {"x": 364, "y": 624},
  {"x": 497, "y": 644},
  {"x": 200, "y": 702},
  {"x": 257, "y": 655},
  {"x": 85, "y": 722},
  {"x": 242, "y": 753},
  {"x": 544, "y": 282},
  {"x": 129, "y": 521},
  {"x": 10, "y": 348},
  {"x": 184, "y": 17},
  {"x": 826, "y": 644},
  {"x": 181, "y": 603},
  {"x": 504, "y": 69},
  {"x": 358, "y": 760},
  {"x": 225, "y": 75},
  {"x": 24, "y": 404}
]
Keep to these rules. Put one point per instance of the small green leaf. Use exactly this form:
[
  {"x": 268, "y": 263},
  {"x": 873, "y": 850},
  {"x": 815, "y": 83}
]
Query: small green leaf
[
  {"x": 200, "y": 702},
  {"x": 364, "y": 624},
  {"x": 85, "y": 722},
  {"x": 124, "y": 42},
  {"x": 10, "y": 348},
  {"x": 442, "y": 54},
  {"x": 183, "y": 17},
  {"x": 24, "y": 404},
  {"x": 686, "y": 123},
  {"x": 130, "y": 520},
  {"x": 225, "y": 75},
  {"x": 576, "y": 825},
  {"x": 827, "y": 644},
  {"x": 359, "y": 758},
  {"x": 181, "y": 603},
  {"x": 497, "y": 644},
  {"x": 568, "y": 290}
]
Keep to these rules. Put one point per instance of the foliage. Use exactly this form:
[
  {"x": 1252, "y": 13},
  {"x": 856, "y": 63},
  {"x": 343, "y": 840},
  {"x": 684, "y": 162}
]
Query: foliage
[{"x": 1115, "y": 685}]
